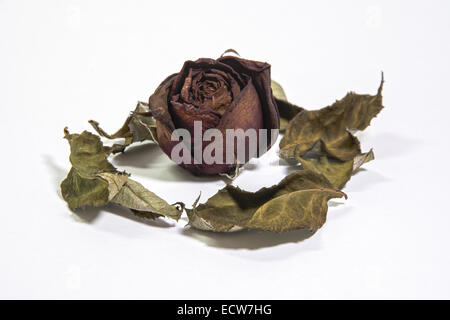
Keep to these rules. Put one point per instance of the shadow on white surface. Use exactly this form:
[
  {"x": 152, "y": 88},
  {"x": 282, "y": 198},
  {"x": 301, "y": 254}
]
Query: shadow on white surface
[
  {"x": 255, "y": 239},
  {"x": 363, "y": 180},
  {"x": 149, "y": 161},
  {"x": 246, "y": 239},
  {"x": 57, "y": 173},
  {"x": 338, "y": 210},
  {"x": 90, "y": 214},
  {"x": 174, "y": 173},
  {"x": 332, "y": 203},
  {"x": 290, "y": 167},
  {"x": 147, "y": 155}
]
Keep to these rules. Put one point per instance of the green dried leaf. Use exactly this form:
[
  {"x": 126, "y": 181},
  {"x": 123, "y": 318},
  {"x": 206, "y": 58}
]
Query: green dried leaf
[
  {"x": 340, "y": 145},
  {"x": 278, "y": 91},
  {"x": 139, "y": 126},
  {"x": 287, "y": 110},
  {"x": 134, "y": 196},
  {"x": 304, "y": 209},
  {"x": 93, "y": 181},
  {"x": 80, "y": 191},
  {"x": 87, "y": 154},
  {"x": 328, "y": 131},
  {"x": 145, "y": 214},
  {"x": 83, "y": 185},
  {"x": 298, "y": 201},
  {"x": 231, "y": 50},
  {"x": 336, "y": 171},
  {"x": 116, "y": 181}
]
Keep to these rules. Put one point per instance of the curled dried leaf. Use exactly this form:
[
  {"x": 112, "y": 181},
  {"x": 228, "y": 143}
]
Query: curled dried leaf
[
  {"x": 287, "y": 110},
  {"x": 336, "y": 171},
  {"x": 93, "y": 181},
  {"x": 133, "y": 195},
  {"x": 79, "y": 191},
  {"x": 298, "y": 201},
  {"x": 362, "y": 159},
  {"x": 231, "y": 50},
  {"x": 139, "y": 126},
  {"x": 83, "y": 186},
  {"x": 329, "y": 130},
  {"x": 303, "y": 209},
  {"x": 278, "y": 91}
]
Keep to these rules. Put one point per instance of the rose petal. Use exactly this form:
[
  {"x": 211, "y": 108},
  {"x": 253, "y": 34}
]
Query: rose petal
[
  {"x": 158, "y": 105},
  {"x": 184, "y": 115},
  {"x": 260, "y": 74},
  {"x": 204, "y": 64},
  {"x": 244, "y": 113}
]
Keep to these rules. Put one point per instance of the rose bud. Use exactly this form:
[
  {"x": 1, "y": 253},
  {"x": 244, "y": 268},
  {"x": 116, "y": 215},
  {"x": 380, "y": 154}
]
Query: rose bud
[{"x": 223, "y": 94}]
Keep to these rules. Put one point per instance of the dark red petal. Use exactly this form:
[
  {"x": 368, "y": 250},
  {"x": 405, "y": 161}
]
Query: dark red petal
[
  {"x": 158, "y": 103},
  {"x": 165, "y": 126},
  {"x": 184, "y": 115},
  {"x": 186, "y": 87},
  {"x": 203, "y": 64},
  {"x": 244, "y": 113},
  {"x": 260, "y": 74}
]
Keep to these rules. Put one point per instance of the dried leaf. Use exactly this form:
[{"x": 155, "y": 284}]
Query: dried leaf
[
  {"x": 231, "y": 50},
  {"x": 287, "y": 110},
  {"x": 145, "y": 214},
  {"x": 134, "y": 196},
  {"x": 83, "y": 186},
  {"x": 333, "y": 142},
  {"x": 80, "y": 191},
  {"x": 139, "y": 126},
  {"x": 115, "y": 182},
  {"x": 87, "y": 154},
  {"x": 361, "y": 159},
  {"x": 298, "y": 201},
  {"x": 336, "y": 171},
  {"x": 278, "y": 91},
  {"x": 304, "y": 209},
  {"x": 328, "y": 130},
  {"x": 93, "y": 181}
]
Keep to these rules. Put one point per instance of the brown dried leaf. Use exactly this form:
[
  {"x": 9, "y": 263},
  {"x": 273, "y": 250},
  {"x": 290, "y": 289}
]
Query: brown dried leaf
[
  {"x": 139, "y": 126},
  {"x": 287, "y": 110},
  {"x": 134, "y": 196},
  {"x": 328, "y": 130},
  {"x": 336, "y": 171},
  {"x": 298, "y": 201},
  {"x": 93, "y": 181}
]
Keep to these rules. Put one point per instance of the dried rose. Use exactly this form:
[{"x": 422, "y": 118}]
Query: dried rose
[{"x": 227, "y": 93}]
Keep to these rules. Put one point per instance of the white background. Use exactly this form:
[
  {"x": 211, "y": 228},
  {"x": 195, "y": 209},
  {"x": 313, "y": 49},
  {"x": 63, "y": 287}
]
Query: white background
[{"x": 65, "y": 62}]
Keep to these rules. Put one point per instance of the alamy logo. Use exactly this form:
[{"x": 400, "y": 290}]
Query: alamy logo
[{"x": 214, "y": 146}]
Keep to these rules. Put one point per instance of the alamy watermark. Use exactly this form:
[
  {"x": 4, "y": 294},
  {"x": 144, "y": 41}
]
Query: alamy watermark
[{"x": 213, "y": 146}]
